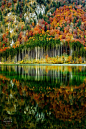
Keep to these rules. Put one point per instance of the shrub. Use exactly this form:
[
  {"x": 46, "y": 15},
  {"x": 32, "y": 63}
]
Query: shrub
[{"x": 80, "y": 60}]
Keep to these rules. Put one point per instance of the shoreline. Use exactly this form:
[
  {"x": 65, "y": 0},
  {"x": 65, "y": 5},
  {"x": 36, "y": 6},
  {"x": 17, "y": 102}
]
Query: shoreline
[{"x": 46, "y": 64}]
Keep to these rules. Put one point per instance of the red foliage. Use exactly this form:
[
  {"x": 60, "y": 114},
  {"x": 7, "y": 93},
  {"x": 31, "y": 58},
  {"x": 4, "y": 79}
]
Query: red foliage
[{"x": 9, "y": 4}]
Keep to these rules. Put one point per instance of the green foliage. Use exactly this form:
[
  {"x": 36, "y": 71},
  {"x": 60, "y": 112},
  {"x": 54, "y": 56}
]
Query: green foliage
[
  {"x": 23, "y": 19},
  {"x": 45, "y": 18},
  {"x": 74, "y": 21},
  {"x": 40, "y": 16},
  {"x": 1, "y": 16},
  {"x": 40, "y": 1},
  {"x": 12, "y": 6},
  {"x": 18, "y": 8},
  {"x": 34, "y": 21},
  {"x": 46, "y": 9},
  {"x": 0, "y": 4},
  {"x": 54, "y": 4},
  {"x": 62, "y": 28},
  {"x": 79, "y": 23}
]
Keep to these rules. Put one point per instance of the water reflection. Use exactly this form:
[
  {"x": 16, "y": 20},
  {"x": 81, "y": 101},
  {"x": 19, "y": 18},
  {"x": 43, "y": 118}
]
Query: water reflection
[{"x": 43, "y": 96}]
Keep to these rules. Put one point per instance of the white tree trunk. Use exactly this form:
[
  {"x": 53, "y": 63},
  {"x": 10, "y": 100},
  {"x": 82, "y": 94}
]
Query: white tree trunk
[
  {"x": 53, "y": 51},
  {"x": 16, "y": 58},
  {"x": 19, "y": 56},
  {"x": 47, "y": 50},
  {"x": 25, "y": 51},
  {"x": 28, "y": 53},
  {"x": 61, "y": 52},
  {"x": 4, "y": 58},
  {"x": 36, "y": 52},
  {"x": 71, "y": 51},
  {"x": 42, "y": 52}
]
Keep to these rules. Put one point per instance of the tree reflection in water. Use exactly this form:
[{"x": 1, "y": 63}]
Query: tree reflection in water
[{"x": 43, "y": 96}]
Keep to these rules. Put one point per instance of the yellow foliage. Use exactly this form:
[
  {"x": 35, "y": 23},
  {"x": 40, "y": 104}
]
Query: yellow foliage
[
  {"x": 69, "y": 58},
  {"x": 80, "y": 59}
]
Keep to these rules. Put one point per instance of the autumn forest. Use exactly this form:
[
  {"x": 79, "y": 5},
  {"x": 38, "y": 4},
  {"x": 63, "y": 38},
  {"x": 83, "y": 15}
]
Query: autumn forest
[{"x": 36, "y": 32}]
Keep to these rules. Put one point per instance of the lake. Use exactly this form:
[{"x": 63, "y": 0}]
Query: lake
[{"x": 43, "y": 97}]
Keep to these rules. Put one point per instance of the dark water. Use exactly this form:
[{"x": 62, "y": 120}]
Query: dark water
[{"x": 43, "y": 97}]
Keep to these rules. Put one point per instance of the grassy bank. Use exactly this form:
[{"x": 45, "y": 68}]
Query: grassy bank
[{"x": 49, "y": 60}]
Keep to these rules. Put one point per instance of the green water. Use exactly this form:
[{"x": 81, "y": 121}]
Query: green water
[{"x": 46, "y": 97}]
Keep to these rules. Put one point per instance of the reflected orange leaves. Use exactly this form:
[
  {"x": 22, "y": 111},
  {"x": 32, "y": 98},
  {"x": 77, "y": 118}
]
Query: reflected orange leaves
[
  {"x": 3, "y": 77},
  {"x": 13, "y": 80},
  {"x": 80, "y": 68},
  {"x": 60, "y": 100},
  {"x": 69, "y": 69},
  {"x": 36, "y": 96},
  {"x": 17, "y": 83},
  {"x": 46, "y": 70}
]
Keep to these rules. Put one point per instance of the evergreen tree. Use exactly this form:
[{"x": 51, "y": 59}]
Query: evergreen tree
[
  {"x": 23, "y": 19},
  {"x": 45, "y": 28},
  {"x": 0, "y": 12},
  {"x": 12, "y": 7},
  {"x": 40, "y": 16},
  {"x": 47, "y": 8},
  {"x": 48, "y": 1},
  {"x": 23, "y": 3},
  {"x": 79, "y": 23},
  {"x": 34, "y": 21},
  {"x": 18, "y": 8},
  {"x": 0, "y": 4},
  {"x": 74, "y": 21},
  {"x": 54, "y": 4},
  {"x": 1, "y": 16},
  {"x": 40, "y": 1},
  {"x": 58, "y": 4}
]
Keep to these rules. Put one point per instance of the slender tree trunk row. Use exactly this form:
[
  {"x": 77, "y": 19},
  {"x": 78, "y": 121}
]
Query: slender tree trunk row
[{"x": 41, "y": 52}]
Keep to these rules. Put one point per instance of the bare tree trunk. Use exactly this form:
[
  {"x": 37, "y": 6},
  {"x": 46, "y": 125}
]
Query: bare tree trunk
[
  {"x": 55, "y": 51},
  {"x": 71, "y": 51},
  {"x": 16, "y": 58},
  {"x": 36, "y": 52},
  {"x": 31, "y": 54},
  {"x": 58, "y": 50},
  {"x": 22, "y": 54},
  {"x": 61, "y": 52},
  {"x": 25, "y": 51},
  {"x": 28, "y": 53},
  {"x": 19, "y": 56},
  {"x": 5, "y": 59},
  {"x": 42, "y": 52}
]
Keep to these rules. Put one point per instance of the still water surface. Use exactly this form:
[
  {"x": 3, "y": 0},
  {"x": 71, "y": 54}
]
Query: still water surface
[{"x": 42, "y": 97}]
